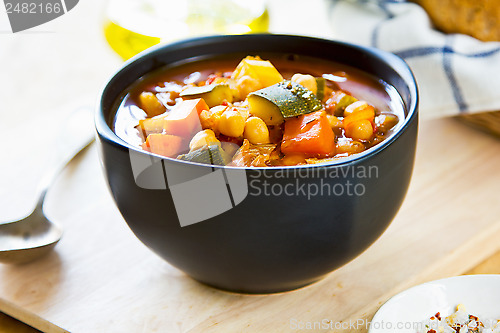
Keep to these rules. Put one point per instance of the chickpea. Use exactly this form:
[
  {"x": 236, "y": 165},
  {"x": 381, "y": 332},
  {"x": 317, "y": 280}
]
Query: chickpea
[
  {"x": 356, "y": 106},
  {"x": 360, "y": 130},
  {"x": 218, "y": 110},
  {"x": 256, "y": 131},
  {"x": 205, "y": 119},
  {"x": 210, "y": 119},
  {"x": 349, "y": 147},
  {"x": 232, "y": 123},
  {"x": 334, "y": 121},
  {"x": 151, "y": 104},
  {"x": 203, "y": 138},
  {"x": 307, "y": 81}
]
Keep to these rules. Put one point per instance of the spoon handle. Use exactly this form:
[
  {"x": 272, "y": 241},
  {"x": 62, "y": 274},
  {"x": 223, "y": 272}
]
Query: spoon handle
[{"x": 77, "y": 134}]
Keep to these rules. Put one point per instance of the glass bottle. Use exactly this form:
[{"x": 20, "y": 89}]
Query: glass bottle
[{"x": 134, "y": 25}]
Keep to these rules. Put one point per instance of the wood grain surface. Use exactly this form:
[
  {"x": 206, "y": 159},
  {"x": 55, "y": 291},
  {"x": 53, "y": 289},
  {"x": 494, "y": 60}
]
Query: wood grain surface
[{"x": 8, "y": 324}]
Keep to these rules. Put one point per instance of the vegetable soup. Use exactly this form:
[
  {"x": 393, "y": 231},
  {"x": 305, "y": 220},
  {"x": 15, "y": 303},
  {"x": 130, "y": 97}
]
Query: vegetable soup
[{"x": 258, "y": 112}]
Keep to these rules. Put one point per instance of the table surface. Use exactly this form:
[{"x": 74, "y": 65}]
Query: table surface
[
  {"x": 101, "y": 278},
  {"x": 8, "y": 324}
]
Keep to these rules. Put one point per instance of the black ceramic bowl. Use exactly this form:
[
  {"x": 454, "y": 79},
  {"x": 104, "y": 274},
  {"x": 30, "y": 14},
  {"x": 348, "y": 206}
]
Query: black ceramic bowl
[{"x": 259, "y": 242}]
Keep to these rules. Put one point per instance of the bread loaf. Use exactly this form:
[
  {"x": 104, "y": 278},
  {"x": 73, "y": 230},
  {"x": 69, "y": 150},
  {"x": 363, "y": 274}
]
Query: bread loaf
[{"x": 477, "y": 18}]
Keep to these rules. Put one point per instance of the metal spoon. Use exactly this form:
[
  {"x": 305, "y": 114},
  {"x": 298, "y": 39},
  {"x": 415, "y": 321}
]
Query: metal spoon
[{"x": 27, "y": 239}]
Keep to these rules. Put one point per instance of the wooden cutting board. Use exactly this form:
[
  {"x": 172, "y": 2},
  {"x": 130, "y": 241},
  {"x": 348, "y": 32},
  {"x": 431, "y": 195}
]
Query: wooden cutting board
[{"x": 102, "y": 279}]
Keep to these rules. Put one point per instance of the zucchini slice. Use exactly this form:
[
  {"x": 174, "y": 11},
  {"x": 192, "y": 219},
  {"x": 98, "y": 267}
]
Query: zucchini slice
[
  {"x": 320, "y": 87},
  {"x": 213, "y": 94},
  {"x": 212, "y": 154},
  {"x": 286, "y": 99}
]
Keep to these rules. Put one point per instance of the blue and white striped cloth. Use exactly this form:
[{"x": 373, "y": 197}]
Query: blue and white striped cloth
[{"x": 455, "y": 73}]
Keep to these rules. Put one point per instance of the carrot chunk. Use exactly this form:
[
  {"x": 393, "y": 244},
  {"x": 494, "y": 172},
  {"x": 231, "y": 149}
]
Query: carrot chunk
[
  {"x": 309, "y": 134},
  {"x": 165, "y": 144}
]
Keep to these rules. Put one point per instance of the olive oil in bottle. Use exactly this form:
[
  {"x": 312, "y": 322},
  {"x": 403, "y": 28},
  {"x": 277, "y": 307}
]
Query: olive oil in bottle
[{"x": 134, "y": 25}]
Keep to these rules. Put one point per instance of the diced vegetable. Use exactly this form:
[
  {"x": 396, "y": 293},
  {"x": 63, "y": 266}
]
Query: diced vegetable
[
  {"x": 320, "y": 88},
  {"x": 338, "y": 102},
  {"x": 212, "y": 154},
  {"x": 367, "y": 113},
  {"x": 265, "y": 110},
  {"x": 386, "y": 121},
  {"x": 283, "y": 100},
  {"x": 359, "y": 124},
  {"x": 256, "y": 131},
  {"x": 334, "y": 121},
  {"x": 212, "y": 94},
  {"x": 150, "y": 104},
  {"x": 184, "y": 119},
  {"x": 152, "y": 125},
  {"x": 165, "y": 144},
  {"x": 349, "y": 147},
  {"x": 316, "y": 84},
  {"x": 203, "y": 138},
  {"x": 232, "y": 123},
  {"x": 308, "y": 134},
  {"x": 210, "y": 118},
  {"x": 261, "y": 70},
  {"x": 244, "y": 86},
  {"x": 306, "y": 80}
]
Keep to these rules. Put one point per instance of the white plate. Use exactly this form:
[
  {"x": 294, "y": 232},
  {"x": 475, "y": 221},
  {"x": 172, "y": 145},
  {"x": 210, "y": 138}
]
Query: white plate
[{"x": 404, "y": 312}]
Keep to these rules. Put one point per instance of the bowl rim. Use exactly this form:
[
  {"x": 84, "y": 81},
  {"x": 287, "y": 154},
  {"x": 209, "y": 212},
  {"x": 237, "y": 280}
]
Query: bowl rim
[{"x": 104, "y": 131}]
